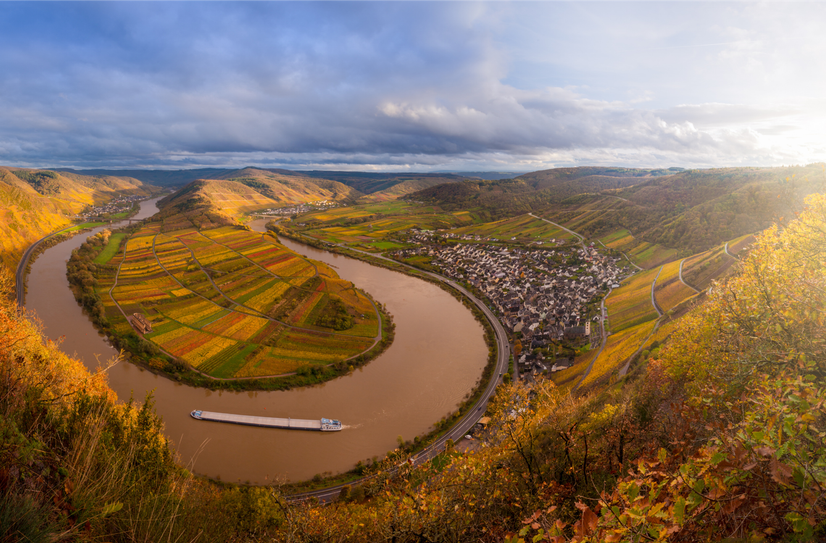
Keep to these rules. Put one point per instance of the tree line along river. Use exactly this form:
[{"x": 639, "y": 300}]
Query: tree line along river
[{"x": 438, "y": 355}]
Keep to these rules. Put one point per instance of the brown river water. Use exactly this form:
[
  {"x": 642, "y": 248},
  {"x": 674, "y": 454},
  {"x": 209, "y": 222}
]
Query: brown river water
[{"x": 436, "y": 358}]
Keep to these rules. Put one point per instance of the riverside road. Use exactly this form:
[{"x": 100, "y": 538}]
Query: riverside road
[{"x": 471, "y": 417}]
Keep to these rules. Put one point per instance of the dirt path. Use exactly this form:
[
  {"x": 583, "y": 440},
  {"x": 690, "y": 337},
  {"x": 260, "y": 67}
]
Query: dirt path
[
  {"x": 579, "y": 237},
  {"x": 653, "y": 299},
  {"x": 602, "y": 345},
  {"x": 682, "y": 280}
]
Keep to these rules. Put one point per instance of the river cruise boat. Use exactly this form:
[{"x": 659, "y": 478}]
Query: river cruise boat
[{"x": 322, "y": 425}]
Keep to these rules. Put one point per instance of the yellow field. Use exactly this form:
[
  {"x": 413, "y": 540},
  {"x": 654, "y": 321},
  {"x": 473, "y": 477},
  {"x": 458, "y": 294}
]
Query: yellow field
[
  {"x": 669, "y": 290},
  {"x": 700, "y": 270},
  {"x": 630, "y": 304},
  {"x": 567, "y": 379},
  {"x": 618, "y": 349},
  {"x": 225, "y": 324}
]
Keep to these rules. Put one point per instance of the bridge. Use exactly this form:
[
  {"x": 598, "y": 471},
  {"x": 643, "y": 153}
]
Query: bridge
[{"x": 110, "y": 220}]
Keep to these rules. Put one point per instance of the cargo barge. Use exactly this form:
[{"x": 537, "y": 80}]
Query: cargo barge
[{"x": 319, "y": 425}]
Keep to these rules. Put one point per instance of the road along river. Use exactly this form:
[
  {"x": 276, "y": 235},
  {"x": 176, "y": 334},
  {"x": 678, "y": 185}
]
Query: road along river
[{"x": 437, "y": 357}]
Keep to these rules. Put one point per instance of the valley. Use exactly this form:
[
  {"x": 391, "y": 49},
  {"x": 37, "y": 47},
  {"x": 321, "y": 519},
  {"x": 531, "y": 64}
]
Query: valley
[{"x": 590, "y": 310}]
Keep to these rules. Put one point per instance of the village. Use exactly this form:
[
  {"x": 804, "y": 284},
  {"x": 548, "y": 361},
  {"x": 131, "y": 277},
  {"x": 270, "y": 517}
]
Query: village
[
  {"x": 544, "y": 297},
  {"x": 116, "y": 205},
  {"x": 300, "y": 208}
]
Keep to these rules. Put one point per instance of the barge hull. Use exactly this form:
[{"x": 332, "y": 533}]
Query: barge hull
[{"x": 265, "y": 422}]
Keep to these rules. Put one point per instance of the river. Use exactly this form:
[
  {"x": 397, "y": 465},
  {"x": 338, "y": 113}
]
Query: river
[{"x": 437, "y": 357}]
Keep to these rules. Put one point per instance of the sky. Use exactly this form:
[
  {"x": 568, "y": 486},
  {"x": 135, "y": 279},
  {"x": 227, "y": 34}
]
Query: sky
[{"x": 420, "y": 86}]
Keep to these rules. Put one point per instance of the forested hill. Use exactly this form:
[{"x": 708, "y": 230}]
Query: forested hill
[
  {"x": 37, "y": 202},
  {"x": 688, "y": 210},
  {"x": 697, "y": 209},
  {"x": 533, "y": 190}
]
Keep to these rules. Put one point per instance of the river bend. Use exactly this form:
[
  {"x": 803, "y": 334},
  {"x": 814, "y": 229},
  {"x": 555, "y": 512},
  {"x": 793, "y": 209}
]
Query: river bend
[{"x": 437, "y": 357}]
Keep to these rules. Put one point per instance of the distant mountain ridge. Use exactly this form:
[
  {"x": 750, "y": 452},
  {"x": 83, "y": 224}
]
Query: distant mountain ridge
[
  {"x": 364, "y": 182},
  {"x": 371, "y": 182},
  {"x": 160, "y": 178}
]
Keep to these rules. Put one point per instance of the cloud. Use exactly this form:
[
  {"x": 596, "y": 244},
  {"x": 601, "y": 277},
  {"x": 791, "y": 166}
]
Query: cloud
[{"x": 392, "y": 85}]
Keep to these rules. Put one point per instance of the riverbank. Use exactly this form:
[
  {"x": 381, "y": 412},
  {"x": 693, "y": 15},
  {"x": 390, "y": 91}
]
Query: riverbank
[
  {"x": 90, "y": 280},
  {"x": 436, "y": 357},
  {"x": 36, "y": 249},
  {"x": 450, "y": 428}
]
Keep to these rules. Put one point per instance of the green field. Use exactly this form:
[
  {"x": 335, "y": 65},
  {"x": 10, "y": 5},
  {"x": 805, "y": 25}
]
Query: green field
[
  {"x": 84, "y": 226},
  {"x": 111, "y": 248},
  {"x": 234, "y": 303}
]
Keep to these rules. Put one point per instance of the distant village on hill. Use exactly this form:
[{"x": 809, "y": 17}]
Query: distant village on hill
[
  {"x": 116, "y": 205},
  {"x": 541, "y": 295}
]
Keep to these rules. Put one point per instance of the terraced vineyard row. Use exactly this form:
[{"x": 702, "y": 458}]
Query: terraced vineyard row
[{"x": 233, "y": 303}]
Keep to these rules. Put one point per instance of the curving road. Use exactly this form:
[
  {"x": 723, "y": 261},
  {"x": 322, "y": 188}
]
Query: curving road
[
  {"x": 471, "y": 417},
  {"x": 653, "y": 299},
  {"x": 735, "y": 257},
  {"x": 682, "y": 280},
  {"x": 602, "y": 345}
]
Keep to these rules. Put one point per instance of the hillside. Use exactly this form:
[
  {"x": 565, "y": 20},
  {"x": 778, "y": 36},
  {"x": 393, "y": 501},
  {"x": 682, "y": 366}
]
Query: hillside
[
  {"x": 686, "y": 211},
  {"x": 715, "y": 435},
  {"x": 694, "y": 210},
  {"x": 530, "y": 192},
  {"x": 37, "y": 202},
  {"x": 403, "y": 188},
  {"x": 250, "y": 189}
]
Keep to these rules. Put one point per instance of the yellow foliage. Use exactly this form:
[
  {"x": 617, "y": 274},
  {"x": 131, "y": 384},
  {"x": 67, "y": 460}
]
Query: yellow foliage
[{"x": 771, "y": 311}]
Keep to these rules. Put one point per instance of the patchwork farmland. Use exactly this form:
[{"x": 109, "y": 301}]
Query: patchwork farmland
[
  {"x": 523, "y": 228},
  {"x": 236, "y": 304}
]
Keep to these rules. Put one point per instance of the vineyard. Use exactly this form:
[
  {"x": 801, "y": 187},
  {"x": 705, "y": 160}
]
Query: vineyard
[
  {"x": 523, "y": 228},
  {"x": 700, "y": 270},
  {"x": 618, "y": 349},
  {"x": 369, "y": 226},
  {"x": 233, "y": 303},
  {"x": 669, "y": 290},
  {"x": 630, "y": 305}
]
